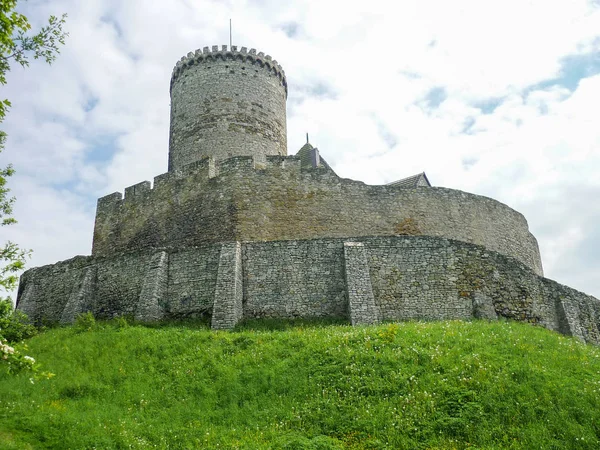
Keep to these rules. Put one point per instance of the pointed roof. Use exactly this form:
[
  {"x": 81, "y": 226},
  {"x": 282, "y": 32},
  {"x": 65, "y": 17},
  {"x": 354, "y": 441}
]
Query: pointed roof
[
  {"x": 418, "y": 180},
  {"x": 304, "y": 154},
  {"x": 308, "y": 154}
]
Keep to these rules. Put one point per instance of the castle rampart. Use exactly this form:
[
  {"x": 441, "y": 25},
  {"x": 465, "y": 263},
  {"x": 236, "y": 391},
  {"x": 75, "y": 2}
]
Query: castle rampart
[
  {"x": 226, "y": 103},
  {"x": 237, "y": 229},
  {"x": 366, "y": 279},
  {"x": 272, "y": 199}
]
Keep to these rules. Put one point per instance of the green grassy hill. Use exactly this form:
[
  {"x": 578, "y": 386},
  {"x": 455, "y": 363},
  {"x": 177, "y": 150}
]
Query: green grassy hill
[{"x": 412, "y": 385}]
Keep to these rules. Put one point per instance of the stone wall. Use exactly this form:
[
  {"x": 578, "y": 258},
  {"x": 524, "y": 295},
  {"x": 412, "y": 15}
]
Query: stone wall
[
  {"x": 248, "y": 199},
  {"x": 192, "y": 280},
  {"x": 44, "y": 291},
  {"x": 184, "y": 209},
  {"x": 115, "y": 288},
  {"x": 226, "y": 103},
  {"x": 292, "y": 279},
  {"x": 365, "y": 280}
]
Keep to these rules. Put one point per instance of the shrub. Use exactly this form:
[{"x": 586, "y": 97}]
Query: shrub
[
  {"x": 16, "y": 362},
  {"x": 120, "y": 322},
  {"x": 14, "y": 325},
  {"x": 85, "y": 322}
]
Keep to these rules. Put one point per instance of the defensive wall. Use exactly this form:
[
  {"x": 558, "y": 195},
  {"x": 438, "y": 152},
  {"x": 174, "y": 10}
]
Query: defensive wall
[
  {"x": 273, "y": 198},
  {"x": 224, "y": 103},
  {"x": 237, "y": 229},
  {"x": 364, "y": 280}
]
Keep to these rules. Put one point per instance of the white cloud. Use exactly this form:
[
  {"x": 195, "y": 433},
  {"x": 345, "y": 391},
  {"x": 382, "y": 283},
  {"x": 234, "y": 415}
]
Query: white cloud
[{"x": 503, "y": 124}]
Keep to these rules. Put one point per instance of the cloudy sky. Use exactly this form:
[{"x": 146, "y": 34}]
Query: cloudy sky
[{"x": 501, "y": 99}]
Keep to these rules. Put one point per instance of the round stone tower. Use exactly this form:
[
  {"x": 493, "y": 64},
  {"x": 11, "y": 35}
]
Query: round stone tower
[{"x": 226, "y": 103}]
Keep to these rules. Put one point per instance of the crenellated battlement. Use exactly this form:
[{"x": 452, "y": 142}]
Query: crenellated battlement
[
  {"x": 263, "y": 198},
  {"x": 207, "y": 55},
  {"x": 206, "y": 169},
  {"x": 137, "y": 190}
]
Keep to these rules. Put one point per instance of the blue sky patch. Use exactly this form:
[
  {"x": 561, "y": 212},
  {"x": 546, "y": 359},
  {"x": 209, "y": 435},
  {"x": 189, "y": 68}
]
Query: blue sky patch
[
  {"x": 573, "y": 69},
  {"x": 435, "y": 97}
]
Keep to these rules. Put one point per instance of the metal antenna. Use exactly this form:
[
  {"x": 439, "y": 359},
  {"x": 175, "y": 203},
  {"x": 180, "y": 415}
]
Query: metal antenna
[
  {"x": 230, "y": 42},
  {"x": 307, "y": 138}
]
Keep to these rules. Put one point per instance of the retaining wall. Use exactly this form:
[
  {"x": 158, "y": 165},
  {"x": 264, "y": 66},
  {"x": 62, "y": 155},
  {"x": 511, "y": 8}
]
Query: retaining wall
[{"x": 365, "y": 280}]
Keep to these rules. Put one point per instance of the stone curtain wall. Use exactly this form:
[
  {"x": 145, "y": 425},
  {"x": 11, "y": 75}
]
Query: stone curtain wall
[
  {"x": 184, "y": 209},
  {"x": 245, "y": 199},
  {"x": 366, "y": 279},
  {"x": 226, "y": 103},
  {"x": 192, "y": 280},
  {"x": 292, "y": 279},
  {"x": 432, "y": 279},
  {"x": 44, "y": 291},
  {"x": 114, "y": 288},
  {"x": 285, "y": 204},
  {"x": 417, "y": 279}
]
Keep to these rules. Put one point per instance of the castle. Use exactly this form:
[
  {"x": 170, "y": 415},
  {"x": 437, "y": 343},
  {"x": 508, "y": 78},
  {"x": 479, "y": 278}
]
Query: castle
[{"x": 238, "y": 229}]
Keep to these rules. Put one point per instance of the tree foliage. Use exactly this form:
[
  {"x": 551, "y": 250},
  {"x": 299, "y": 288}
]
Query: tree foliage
[{"x": 17, "y": 46}]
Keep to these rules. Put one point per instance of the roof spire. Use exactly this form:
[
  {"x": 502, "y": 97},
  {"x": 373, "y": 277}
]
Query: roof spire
[{"x": 307, "y": 138}]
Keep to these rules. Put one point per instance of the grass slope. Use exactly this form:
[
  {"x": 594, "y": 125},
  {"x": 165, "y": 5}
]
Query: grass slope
[{"x": 410, "y": 385}]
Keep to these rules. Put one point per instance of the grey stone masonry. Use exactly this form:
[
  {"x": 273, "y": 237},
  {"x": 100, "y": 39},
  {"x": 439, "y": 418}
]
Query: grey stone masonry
[
  {"x": 154, "y": 289},
  {"x": 361, "y": 302},
  {"x": 226, "y": 103},
  {"x": 578, "y": 316},
  {"x": 362, "y": 279},
  {"x": 292, "y": 279},
  {"x": 81, "y": 299},
  {"x": 26, "y": 300},
  {"x": 571, "y": 316},
  {"x": 483, "y": 307},
  {"x": 237, "y": 229},
  {"x": 227, "y": 308},
  {"x": 278, "y": 199}
]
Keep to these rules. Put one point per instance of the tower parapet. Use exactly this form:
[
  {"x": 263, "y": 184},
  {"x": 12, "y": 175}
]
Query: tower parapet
[{"x": 224, "y": 103}]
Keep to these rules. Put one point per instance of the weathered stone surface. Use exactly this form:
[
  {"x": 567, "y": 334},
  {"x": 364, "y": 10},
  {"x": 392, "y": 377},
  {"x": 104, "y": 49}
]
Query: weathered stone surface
[
  {"x": 361, "y": 302},
  {"x": 152, "y": 300},
  {"x": 282, "y": 201},
  {"x": 227, "y": 309},
  {"x": 192, "y": 281},
  {"x": 26, "y": 300},
  {"x": 81, "y": 298},
  {"x": 224, "y": 104},
  {"x": 44, "y": 291},
  {"x": 411, "y": 277},
  {"x": 483, "y": 307},
  {"x": 293, "y": 279}
]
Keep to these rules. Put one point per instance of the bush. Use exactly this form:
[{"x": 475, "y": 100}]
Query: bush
[
  {"x": 15, "y": 360},
  {"x": 120, "y": 322},
  {"x": 14, "y": 325},
  {"x": 85, "y": 322}
]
